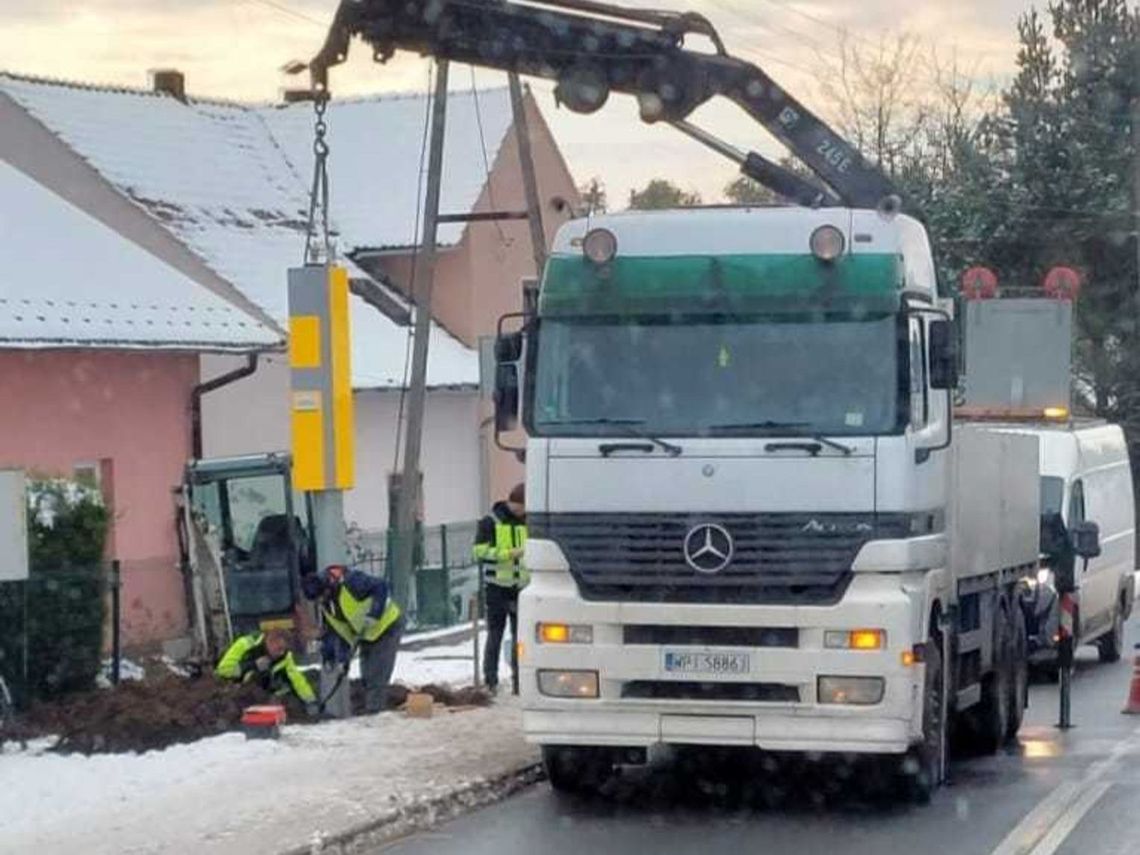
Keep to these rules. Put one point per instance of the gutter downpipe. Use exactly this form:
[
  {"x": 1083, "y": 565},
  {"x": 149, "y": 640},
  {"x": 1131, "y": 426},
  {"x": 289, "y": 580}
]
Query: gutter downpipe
[{"x": 210, "y": 386}]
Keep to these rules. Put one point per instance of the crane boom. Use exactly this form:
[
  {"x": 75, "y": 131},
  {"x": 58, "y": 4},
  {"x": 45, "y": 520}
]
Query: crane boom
[{"x": 591, "y": 49}]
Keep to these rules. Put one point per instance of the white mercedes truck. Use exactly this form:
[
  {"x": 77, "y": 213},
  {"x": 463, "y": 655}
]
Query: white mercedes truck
[{"x": 753, "y": 520}]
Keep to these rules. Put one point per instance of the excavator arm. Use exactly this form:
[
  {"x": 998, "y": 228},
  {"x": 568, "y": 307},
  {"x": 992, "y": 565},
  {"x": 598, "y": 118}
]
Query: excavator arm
[{"x": 591, "y": 49}]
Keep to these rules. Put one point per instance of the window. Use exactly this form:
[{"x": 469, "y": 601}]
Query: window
[
  {"x": 919, "y": 404},
  {"x": 1076, "y": 504}
]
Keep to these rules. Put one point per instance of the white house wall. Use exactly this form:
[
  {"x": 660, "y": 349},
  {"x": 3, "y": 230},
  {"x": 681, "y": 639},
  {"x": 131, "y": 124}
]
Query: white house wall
[{"x": 450, "y": 457}]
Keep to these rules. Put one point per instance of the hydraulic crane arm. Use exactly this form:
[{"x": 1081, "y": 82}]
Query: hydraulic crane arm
[{"x": 592, "y": 49}]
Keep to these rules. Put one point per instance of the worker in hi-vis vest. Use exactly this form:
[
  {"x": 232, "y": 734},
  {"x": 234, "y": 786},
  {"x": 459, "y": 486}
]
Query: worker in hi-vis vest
[
  {"x": 265, "y": 658},
  {"x": 357, "y": 614},
  {"x": 499, "y": 546}
]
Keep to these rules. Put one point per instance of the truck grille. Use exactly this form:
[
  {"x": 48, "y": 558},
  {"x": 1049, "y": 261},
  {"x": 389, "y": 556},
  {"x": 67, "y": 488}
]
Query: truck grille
[
  {"x": 778, "y": 558},
  {"x": 692, "y": 691},
  {"x": 711, "y": 636}
]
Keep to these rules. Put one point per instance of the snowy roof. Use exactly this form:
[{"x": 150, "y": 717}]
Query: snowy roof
[
  {"x": 215, "y": 177},
  {"x": 375, "y": 153},
  {"x": 103, "y": 290}
]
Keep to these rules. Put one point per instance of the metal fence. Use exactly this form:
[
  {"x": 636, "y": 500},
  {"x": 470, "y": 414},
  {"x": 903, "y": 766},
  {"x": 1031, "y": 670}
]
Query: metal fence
[
  {"x": 55, "y": 627},
  {"x": 446, "y": 575}
]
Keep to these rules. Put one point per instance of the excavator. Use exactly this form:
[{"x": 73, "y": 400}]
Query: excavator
[
  {"x": 592, "y": 49},
  {"x": 245, "y": 538}
]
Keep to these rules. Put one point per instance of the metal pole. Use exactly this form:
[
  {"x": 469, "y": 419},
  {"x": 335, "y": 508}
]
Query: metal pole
[
  {"x": 473, "y": 610},
  {"x": 530, "y": 181},
  {"x": 116, "y": 634},
  {"x": 1065, "y": 652},
  {"x": 329, "y": 536},
  {"x": 408, "y": 495},
  {"x": 1136, "y": 199}
]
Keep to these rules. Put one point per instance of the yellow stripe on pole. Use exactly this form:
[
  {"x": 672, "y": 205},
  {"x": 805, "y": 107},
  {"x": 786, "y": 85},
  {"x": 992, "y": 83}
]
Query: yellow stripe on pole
[
  {"x": 307, "y": 416},
  {"x": 342, "y": 406},
  {"x": 304, "y": 341}
]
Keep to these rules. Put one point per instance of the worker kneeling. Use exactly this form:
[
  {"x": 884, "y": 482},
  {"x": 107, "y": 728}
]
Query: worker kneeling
[
  {"x": 265, "y": 657},
  {"x": 359, "y": 615}
]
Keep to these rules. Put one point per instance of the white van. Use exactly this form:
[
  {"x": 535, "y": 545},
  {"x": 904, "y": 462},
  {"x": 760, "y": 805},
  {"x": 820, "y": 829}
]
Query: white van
[{"x": 1086, "y": 476}]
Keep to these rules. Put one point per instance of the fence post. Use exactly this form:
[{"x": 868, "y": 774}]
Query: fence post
[
  {"x": 116, "y": 635},
  {"x": 446, "y": 571}
]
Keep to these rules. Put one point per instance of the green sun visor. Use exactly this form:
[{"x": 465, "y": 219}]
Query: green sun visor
[{"x": 721, "y": 284}]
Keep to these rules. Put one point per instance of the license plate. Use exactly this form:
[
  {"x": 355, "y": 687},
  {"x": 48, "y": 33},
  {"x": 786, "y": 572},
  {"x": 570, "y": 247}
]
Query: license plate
[{"x": 698, "y": 662}]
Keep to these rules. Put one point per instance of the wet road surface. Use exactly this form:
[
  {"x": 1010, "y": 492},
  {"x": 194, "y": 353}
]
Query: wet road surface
[{"x": 1073, "y": 793}]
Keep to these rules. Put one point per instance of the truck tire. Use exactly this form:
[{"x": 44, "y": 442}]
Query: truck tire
[
  {"x": 988, "y": 722},
  {"x": 575, "y": 770},
  {"x": 922, "y": 768},
  {"x": 1111, "y": 644},
  {"x": 1019, "y": 684}
]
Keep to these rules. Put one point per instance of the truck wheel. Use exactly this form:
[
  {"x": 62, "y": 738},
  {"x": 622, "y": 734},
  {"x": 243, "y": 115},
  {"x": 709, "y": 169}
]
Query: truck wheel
[
  {"x": 1019, "y": 685},
  {"x": 1111, "y": 644},
  {"x": 575, "y": 769},
  {"x": 922, "y": 768},
  {"x": 989, "y": 720}
]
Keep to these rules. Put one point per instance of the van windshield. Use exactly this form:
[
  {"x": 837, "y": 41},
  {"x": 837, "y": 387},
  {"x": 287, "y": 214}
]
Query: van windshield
[{"x": 1052, "y": 495}]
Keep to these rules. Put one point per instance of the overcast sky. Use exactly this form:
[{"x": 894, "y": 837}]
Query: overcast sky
[{"x": 234, "y": 48}]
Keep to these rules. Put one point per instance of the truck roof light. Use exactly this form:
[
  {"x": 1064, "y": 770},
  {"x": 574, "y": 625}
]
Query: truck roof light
[
  {"x": 827, "y": 243},
  {"x": 1013, "y": 414},
  {"x": 600, "y": 246}
]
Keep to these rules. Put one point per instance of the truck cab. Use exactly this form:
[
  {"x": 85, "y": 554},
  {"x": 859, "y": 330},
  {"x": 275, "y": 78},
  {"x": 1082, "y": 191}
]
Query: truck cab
[{"x": 738, "y": 499}]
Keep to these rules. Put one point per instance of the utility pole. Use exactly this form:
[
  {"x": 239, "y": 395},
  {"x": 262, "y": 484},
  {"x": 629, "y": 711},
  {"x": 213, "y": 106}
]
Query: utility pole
[
  {"x": 1136, "y": 202},
  {"x": 407, "y": 497},
  {"x": 530, "y": 181}
]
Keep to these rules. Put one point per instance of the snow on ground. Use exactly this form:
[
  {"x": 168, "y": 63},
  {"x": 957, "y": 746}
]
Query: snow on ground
[
  {"x": 232, "y": 795},
  {"x": 450, "y": 664}
]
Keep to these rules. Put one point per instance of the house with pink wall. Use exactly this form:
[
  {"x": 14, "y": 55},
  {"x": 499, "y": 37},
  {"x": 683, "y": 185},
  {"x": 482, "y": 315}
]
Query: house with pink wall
[
  {"x": 100, "y": 348},
  {"x": 224, "y": 187}
]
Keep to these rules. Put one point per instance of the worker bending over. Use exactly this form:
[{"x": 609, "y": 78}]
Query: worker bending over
[{"x": 265, "y": 657}]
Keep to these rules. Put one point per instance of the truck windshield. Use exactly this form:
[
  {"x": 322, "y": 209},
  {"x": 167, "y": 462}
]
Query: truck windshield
[{"x": 713, "y": 376}]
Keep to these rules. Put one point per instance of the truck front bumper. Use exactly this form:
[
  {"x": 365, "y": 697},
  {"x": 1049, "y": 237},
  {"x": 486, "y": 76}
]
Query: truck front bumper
[{"x": 616, "y": 718}]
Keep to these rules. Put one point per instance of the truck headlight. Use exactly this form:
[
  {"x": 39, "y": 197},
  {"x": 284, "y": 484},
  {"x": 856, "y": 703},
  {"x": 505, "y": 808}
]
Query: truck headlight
[
  {"x": 564, "y": 633},
  {"x": 851, "y": 691},
  {"x": 855, "y": 639},
  {"x": 568, "y": 684}
]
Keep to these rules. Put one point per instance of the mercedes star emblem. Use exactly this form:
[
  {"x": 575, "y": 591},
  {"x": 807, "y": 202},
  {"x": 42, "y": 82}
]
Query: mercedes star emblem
[{"x": 708, "y": 548}]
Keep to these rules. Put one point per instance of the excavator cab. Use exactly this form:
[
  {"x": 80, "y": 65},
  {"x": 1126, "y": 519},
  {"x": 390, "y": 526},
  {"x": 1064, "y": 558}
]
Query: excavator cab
[{"x": 247, "y": 543}]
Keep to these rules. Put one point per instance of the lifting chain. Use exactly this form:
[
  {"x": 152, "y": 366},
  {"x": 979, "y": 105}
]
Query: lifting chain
[{"x": 319, "y": 194}]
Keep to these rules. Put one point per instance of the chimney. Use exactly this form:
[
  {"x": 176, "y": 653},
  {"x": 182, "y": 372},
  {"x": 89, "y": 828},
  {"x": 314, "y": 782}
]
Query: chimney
[
  {"x": 169, "y": 81},
  {"x": 297, "y": 96}
]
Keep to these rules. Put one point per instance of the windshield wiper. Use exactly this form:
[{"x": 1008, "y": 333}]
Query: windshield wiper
[
  {"x": 774, "y": 425},
  {"x": 631, "y": 428}
]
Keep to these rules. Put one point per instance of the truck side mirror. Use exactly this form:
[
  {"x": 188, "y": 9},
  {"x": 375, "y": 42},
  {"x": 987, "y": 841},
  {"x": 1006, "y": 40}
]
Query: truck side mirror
[
  {"x": 1086, "y": 539},
  {"x": 506, "y": 397},
  {"x": 943, "y": 355}
]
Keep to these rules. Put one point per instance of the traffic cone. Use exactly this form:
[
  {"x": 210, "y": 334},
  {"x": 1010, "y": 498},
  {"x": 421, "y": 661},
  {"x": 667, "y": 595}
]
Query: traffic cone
[{"x": 1133, "y": 705}]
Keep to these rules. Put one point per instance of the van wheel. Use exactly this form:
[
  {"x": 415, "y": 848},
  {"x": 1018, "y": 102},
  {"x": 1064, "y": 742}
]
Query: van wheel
[
  {"x": 1019, "y": 667},
  {"x": 1111, "y": 644}
]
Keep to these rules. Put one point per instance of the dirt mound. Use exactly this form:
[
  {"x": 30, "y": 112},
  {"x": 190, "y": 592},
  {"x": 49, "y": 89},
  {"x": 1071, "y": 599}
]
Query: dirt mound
[
  {"x": 469, "y": 696},
  {"x": 166, "y": 709},
  {"x": 140, "y": 715}
]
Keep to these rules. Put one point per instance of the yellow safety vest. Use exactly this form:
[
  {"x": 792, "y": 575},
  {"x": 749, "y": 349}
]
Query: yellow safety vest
[
  {"x": 284, "y": 675},
  {"x": 507, "y": 572},
  {"x": 347, "y": 616}
]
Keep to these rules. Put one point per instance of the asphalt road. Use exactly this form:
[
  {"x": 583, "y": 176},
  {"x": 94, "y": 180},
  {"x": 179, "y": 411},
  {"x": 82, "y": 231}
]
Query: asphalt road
[{"x": 1074, "y": 793}]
